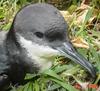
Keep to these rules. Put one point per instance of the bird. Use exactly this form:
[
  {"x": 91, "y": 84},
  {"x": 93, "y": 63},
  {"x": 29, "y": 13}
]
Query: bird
[{"x": 37, "y": 34}]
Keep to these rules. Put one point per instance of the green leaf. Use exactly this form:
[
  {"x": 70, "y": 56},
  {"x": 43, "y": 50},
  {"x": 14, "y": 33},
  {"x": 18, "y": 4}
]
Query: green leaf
[
  {"x": 63, "y": 84},
  {"x": 53, "y": 87},
  {"x": 36, "y": 86},
  {"x": 30, "y": 87},
  {"x": 54, "y": 77},
  {"x": 62, "y": 68},
  {"x": 26, "y": 87},
  {"x": 52, "y": 74}
]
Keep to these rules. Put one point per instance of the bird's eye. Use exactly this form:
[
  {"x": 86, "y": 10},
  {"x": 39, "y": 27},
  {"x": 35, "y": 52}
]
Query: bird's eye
[{"x": 39, "y": 34}]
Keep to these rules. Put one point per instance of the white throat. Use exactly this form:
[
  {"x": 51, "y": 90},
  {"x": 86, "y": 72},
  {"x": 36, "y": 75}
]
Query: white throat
[{"x": 41, "y": 55}]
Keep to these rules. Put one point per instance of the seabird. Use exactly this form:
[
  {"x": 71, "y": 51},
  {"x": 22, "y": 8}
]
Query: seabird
[{"x": 38, "y": 34}]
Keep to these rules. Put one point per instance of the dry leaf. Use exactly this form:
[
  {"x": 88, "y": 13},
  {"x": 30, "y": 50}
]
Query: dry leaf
[
  {"x": 97, "y": 42},
  {"x": 98, "y": 89},
  {"x": 81, "y": 17},
  {"x": 80, "y": 42},
  {"x": 84, "y": 85},
  {"x": 81, "y": 13},
  {"x": 86, "y": 2},
  {"x": 67, "y": 16}
]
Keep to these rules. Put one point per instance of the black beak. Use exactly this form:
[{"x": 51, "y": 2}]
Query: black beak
[{"x": 68, "y": 51}]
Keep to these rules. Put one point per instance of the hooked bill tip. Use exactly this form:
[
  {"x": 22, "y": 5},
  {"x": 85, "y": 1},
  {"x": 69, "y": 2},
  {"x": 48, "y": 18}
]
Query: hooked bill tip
[{"x": 68, "y": 51}]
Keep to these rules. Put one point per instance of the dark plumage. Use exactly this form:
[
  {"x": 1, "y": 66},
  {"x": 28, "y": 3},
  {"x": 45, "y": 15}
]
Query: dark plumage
[{"x": 38, "y": 33}]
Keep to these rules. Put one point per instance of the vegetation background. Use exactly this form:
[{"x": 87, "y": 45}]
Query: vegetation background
[{"x": 83, "y": 18}]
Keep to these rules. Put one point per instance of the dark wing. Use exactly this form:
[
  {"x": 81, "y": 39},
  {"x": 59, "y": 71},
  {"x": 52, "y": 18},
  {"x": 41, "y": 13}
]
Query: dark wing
[{"x": 4, "y": 80}]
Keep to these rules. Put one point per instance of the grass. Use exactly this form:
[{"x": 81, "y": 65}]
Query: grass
[{"x": 63, "y": 75}]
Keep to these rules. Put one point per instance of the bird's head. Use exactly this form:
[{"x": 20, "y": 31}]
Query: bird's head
[{"x": 42, "y": 31}]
